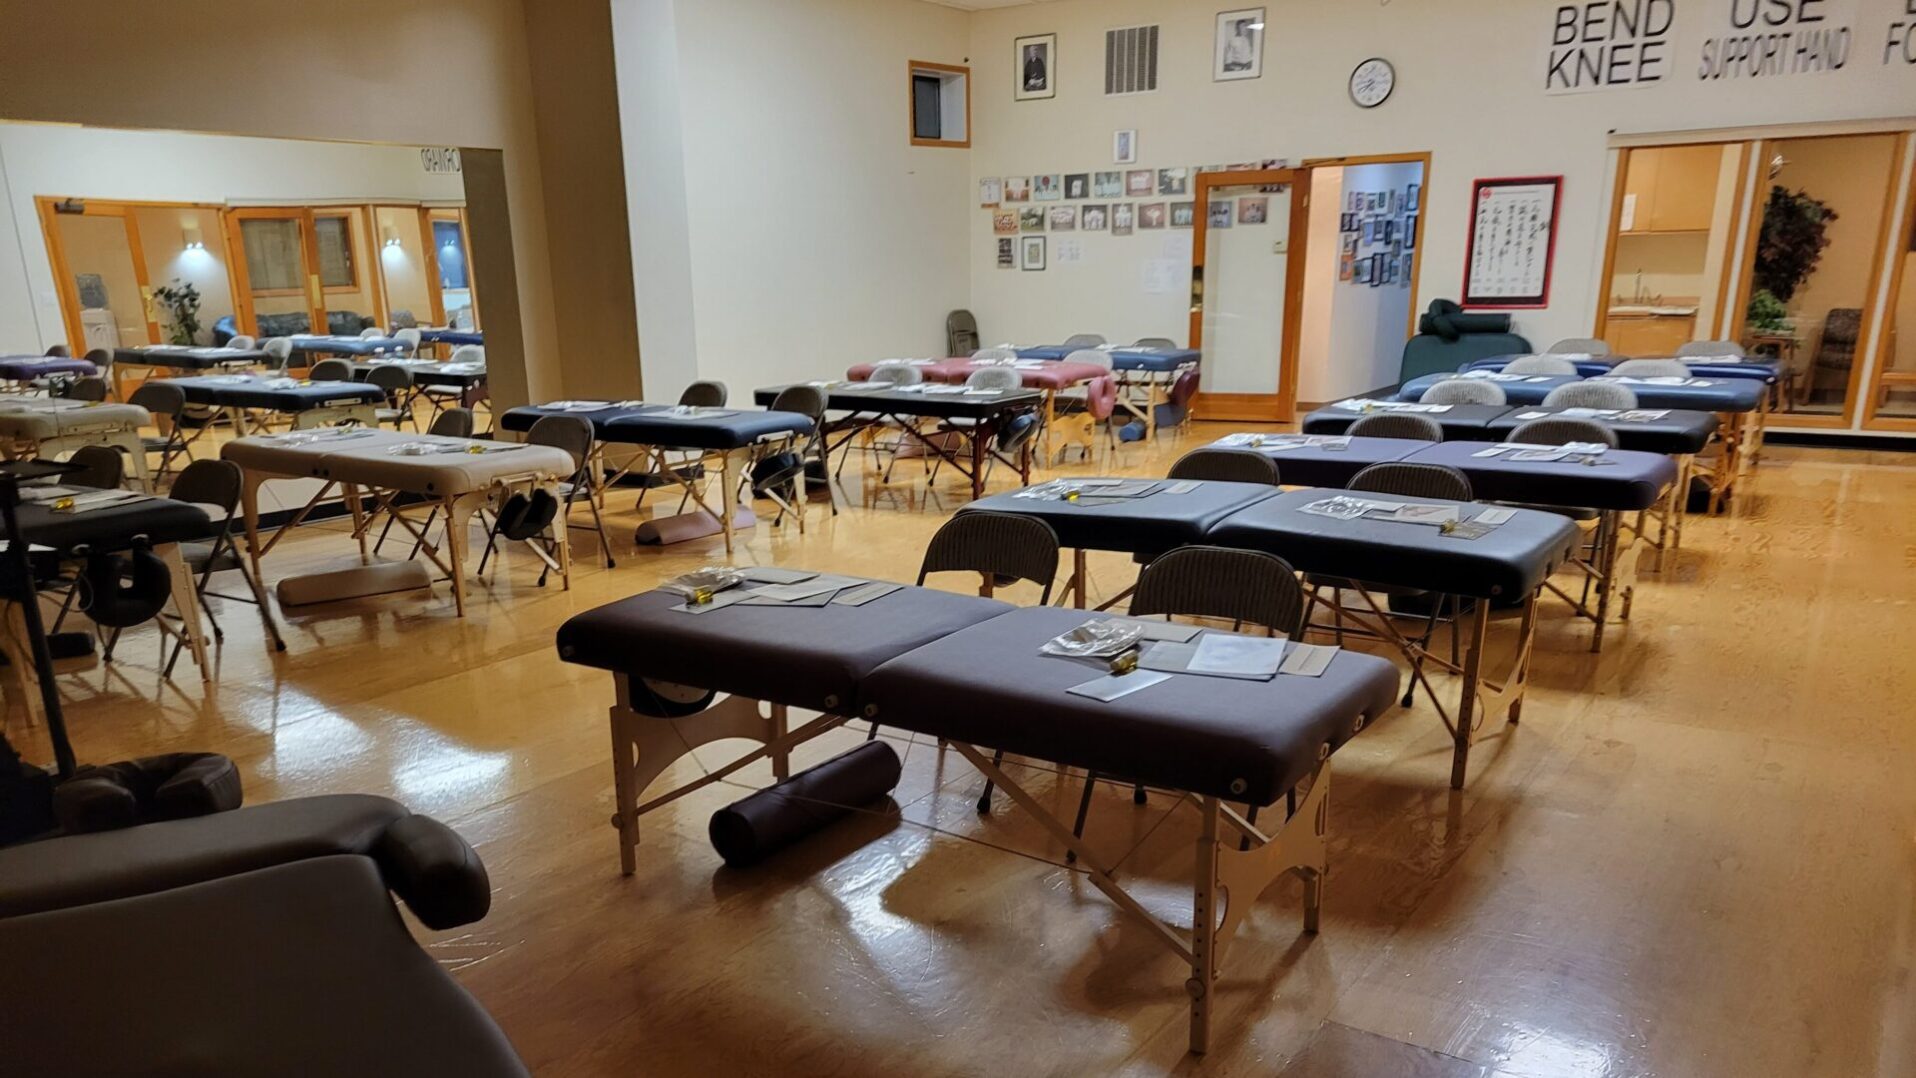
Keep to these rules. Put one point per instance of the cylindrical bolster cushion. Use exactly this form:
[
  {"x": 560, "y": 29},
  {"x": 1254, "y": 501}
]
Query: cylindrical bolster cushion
[
  {"x": 749, "y": 830},
  {"x": 438, "y": 875},
  {"x": 168, "y": 787},
  {"x": 1447, "y": 320},
  {"x": 204, "y": 786}
]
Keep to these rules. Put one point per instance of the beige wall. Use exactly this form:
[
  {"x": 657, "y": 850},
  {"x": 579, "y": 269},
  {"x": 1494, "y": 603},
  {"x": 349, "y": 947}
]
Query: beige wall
[{"x": 419, "y": 72}]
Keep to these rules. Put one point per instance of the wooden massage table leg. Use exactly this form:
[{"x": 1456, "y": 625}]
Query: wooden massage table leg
[
  {"x": 459, "y": 512},
  {"x": 728, "y": 503},
  {"x": 186, "y": 598},
  {"x": 250, "y": 481},
  {"x": 351, "y": 493},
  {"x": 1608, "y": 525},
  {"x": 1468, "y": 707},
  {"x": 129, "y": 443}
]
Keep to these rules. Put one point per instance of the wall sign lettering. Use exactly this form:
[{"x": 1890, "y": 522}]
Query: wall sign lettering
[
  {"x": 1899, "y": 40},
  {"x": 439, "y": 158},
  {"x": 1768, "y": 38},
  {"x": 1609, "y": 46}
]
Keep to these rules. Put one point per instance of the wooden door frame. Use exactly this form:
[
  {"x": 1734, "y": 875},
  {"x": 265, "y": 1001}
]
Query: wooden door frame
[
  {"x": 1421, "y": 157},
  {"x": 242, "y": 273},
  {"x": 1600, "y": 325},
  {"x": 1281, "y": 406},
  {"x": 68, "y": 289},
  {"x": 1898, "y": 254}
]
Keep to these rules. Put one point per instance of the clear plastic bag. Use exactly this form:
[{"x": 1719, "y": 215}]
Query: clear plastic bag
[{"x": 1096, "y": 639}]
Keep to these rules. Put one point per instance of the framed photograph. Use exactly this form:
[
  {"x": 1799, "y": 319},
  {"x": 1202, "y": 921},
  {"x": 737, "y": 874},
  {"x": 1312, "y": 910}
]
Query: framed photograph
[
  {"x": 1006, "y": 257},
  {"x": 1094, "y": 217},
  {"x": 1404, "y": 267},
  {"x": 991, "y": 191},
  {"x": 1370, "y": 230},
  {"x": 1031, "y": 219},
  {"x": 1017, "y": 189},
  {"x": 1386, "y": 230},
  {"x": 1377, "y": 270},
  {"x": 1350, "y": 245},
  {"x": 1345, "y": 221},
  {"x": 1412, "y": 194},
  {"x": 1218, "y": 214},
  {"x": 1183, "y": 214},
  {"x": 1122, "y": 216},
  {"x": 1047, "y": 188},
  {"x": 1036, "y": 65},
  {"x": 1139, "y": 181},
  {"x": 1124, "y": 147},
  {"x": 1240, "y": 45},
  {"x": 1511, "y": 242},
  {"x": 1077, "y": 185},
  {"x": 1174, "y": 181},
  {"x": 1107, "y": 185},
  {"x": 1360, "y": 273},
  {"x": 1064, "y": 219},
  {"x": 1410, "y": 232},
  {"x": 1031, "y": 252},
  {"x": 1253, "y": 211},
  {"x": 1005, "y": 224},
  {"x": 1151, "y": 215},
  {"x": 1346, "y": 265}
]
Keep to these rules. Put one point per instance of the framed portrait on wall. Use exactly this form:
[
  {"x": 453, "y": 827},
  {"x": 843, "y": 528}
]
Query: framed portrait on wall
[
  {"x": 1005, "y": 253},
  {"x": 1036, "y": 67},
  {"x": 991, "y": 191},
  {"x": 1063, "y": 218},
  {"x": 1511, "y": 242},
  {"x": 1124, "y": 147},
  {"x": 1107, "y": 185},
  {"x": 1031, "y": 252},
  {"x": 1077, "y": 185},
  {"x": 1140, "y": 181},
  {"x": 1240, "y": 45},
  {"x": 1122, "y": 216}
]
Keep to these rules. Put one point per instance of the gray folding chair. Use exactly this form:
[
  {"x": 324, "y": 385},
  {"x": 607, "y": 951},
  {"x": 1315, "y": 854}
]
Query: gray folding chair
[
  {"x": 279, "y": 353},
  {"x": 1154, "y": 342},
  {"x": 780, "y": 485},
  {"x": 704, "y": 395},
  {"x": 331, "y": 370},
  {"x": 396, "y": 382},
  {"x": 1464, "y": 391},
  {"x": 241, "y": 340},
  {"x": 166, "y": 402},
  {"x": 100, "y": 466},
  {"x": 1084, "y": 340},
  {"x": 1409, "y": 425},
  {"x": 1579, "y": 346},
  {"x": 217, "y": 484},
  {"x": 1225, "y": 466},
  {"x": 1710, "y": 348},
  {"x": 90, "y": 388},
  {"x": 1591, "y": 395},
  {"x": 1651, "y": 368},
  {"x": 1558, "y": 430},
  {"x": 1540, "y": 365},
  {"x": 452, "y": 423},
  {"x": 574, "y": 435},
  {"x": 994, "y": 354}
]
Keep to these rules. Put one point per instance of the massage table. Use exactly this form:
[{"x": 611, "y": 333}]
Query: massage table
[
  {"x": 148, "y": 359},
  {"x": 25, "y": 369},
  {"x": 875, "y": 407},
  {"x": 163, "y": 522},
  {"x": 468, "y": 378},
  {"x": 1317, "y": 460},
  {"x": 1050, "y": 377},
  {"x": 454, "y": 337},
  {"x": 464, "y": 476},
  {"x": 967, "y": 671},
  {"x": 1178, "y": 513},
  {"x": 1510, "y": 564},
  {"x": 1459, "y": 421},
  {"x": 333, "y": 344},
  {"x": 1147, "y": 369},
  {"x": 50, "y": 426},
  {"x": 303, "y": 967},
  {"x": 734, "y": 437},
  {"x": 310, "y": 404}
]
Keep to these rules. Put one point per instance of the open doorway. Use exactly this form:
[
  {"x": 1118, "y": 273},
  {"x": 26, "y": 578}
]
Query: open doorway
[
  {"x": 1247, "y": 267},
  {"x": 1360, "y": 287}
]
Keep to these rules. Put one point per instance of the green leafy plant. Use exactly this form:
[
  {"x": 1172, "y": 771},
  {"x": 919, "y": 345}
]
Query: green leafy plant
[
  {"x": 182, "y": 302},
  {"x": 1795, "y": 232},
  {"x": 1766, "y": 313}
]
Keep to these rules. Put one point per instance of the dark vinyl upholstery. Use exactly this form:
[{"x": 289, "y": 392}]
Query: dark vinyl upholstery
[
  {"x": 1226, "y": 466},
  {"x": 1419, "y": 428},
  {"x": 1218, "y": 582},
  {"x": 1558, "y": 430},
  {"x": 1008, "y": 547},
  {"x": 1417, "y": 480}
]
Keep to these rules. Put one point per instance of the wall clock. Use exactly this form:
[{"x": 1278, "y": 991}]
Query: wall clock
[{"x": 1372, "y": 81}]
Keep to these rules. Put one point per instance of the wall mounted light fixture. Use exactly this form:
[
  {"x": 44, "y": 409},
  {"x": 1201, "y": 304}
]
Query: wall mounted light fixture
[{"x": 190, "y": 235}]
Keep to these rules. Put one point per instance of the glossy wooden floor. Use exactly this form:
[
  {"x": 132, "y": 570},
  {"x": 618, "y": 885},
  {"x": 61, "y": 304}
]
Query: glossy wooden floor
[{"x": 1695, "y": 856}]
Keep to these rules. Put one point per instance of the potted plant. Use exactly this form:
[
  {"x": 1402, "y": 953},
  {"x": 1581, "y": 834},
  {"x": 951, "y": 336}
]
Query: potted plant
[
  {"x": 1794, "y": 234},
  {"x": 1767, "y": 314},
  {"x": 182, "y": 301}
]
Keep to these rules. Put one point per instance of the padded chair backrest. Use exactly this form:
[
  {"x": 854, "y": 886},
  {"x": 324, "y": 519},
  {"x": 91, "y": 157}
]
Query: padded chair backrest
[
  {"x": 410, "y": 336},
  {"x": 1463, "y": 391},
  {"x": 100, "y": 358},
  {"x": 1225, "y": 466},
  {"x": 1097, "y": 357},
  {"x": 994, "y": 355},
  {"x": 1432, "y": 353},
  {"x": 1004, "y": 378},
  {"x": 241, "y": 340},
  {"x": 159, "y": 398},
  {"x": 1651, "y": 368},
  {"x": 1101, "y": 397},
  {"x": 279, "y": 350},
  {"x": 470, "y": 353},
  {"x": 961, "y": 333},
  {"x": 1540, "y": 365},
  {"x": 1410, "y": 425},
  {"x": 86, "y": 389},
  {"x": 1413, "y": 480},
  {"x": 452, "y": 423},
  {"x": 59, "y": 350},
  {"x": 704, "y": 395},
  {"x": 1841, "y": 327},
  {"x": 1710, "y": 348},
  {"x": 1006, "y": 546},
  {"x": 1559, "y": 431},
  {"x": 390, "y": 377},
  {"x": 1155, "y": 342},
  {"x": 332, "y": 370},
  {"x": 209, "y": 482},
  {"x": 568, "y": 432},
  {"x": 1184, "y": 389},
  {"x": 1590, "y": 395},
  {"x": 1579, "y": 346},
  {"x": 371, "y": 333},
  {"x": 1083, "y": 340},
  {"x": 1218, "y": 582},
  {"x": 805, "y": 400},
  {"x": 898, "y": 374},
  {"x": 100, "y": 466},
  {"x": 405, "y": 319}
]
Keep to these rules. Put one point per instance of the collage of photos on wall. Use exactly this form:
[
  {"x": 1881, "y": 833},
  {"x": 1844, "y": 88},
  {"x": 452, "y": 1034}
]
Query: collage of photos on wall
[
  {"x": 1113, "y": 201},
  {"x": 1378, "y": 236}
]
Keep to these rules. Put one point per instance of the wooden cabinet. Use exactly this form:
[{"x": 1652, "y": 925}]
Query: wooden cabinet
[
  {"x": 1648, "y": 334},
  {"x": 1672, "y": 188}
]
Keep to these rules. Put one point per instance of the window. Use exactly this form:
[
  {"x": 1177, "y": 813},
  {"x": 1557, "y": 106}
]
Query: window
[
  {"x": 272, "y": 253},
  {"x": 335, "y": 251},
  {"x": 451, "y": 244},
  {"x": 940, "y": 104}
]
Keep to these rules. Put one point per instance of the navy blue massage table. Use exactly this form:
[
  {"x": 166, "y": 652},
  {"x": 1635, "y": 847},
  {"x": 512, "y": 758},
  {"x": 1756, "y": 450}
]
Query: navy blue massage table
[{"x": 311, "y": 404}]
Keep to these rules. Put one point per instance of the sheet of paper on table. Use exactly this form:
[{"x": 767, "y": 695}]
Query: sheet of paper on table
[
  {"x": 1230, "y": 655},
  {"x": 1112, "y": 686}
]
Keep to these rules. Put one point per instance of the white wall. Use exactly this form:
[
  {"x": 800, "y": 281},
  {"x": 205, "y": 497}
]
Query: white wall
[
  {"x": 1469, "y": 89},
  {"x": 44, "y": 159},
  {"x": 816, "y": 236}
]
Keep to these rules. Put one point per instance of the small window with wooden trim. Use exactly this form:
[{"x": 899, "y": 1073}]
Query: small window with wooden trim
[{"x": 940, "y": 104}]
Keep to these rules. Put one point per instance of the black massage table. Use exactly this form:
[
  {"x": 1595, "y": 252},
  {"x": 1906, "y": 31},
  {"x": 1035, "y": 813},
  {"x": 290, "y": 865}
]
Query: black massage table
[
  {"x": 1509, "y": 564},
  {"x": 1676, "y": 433},
  {"x": 736, "y": 438},
  {"x": 1309, "y": 461},
  {"x": 1460, "y": 421},
  {"x": 871, "y": 409},
  {"x": 968, "y": 670},
  {"x": 1178, "y": 513},
  {"x": 311, "y": 404}
]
